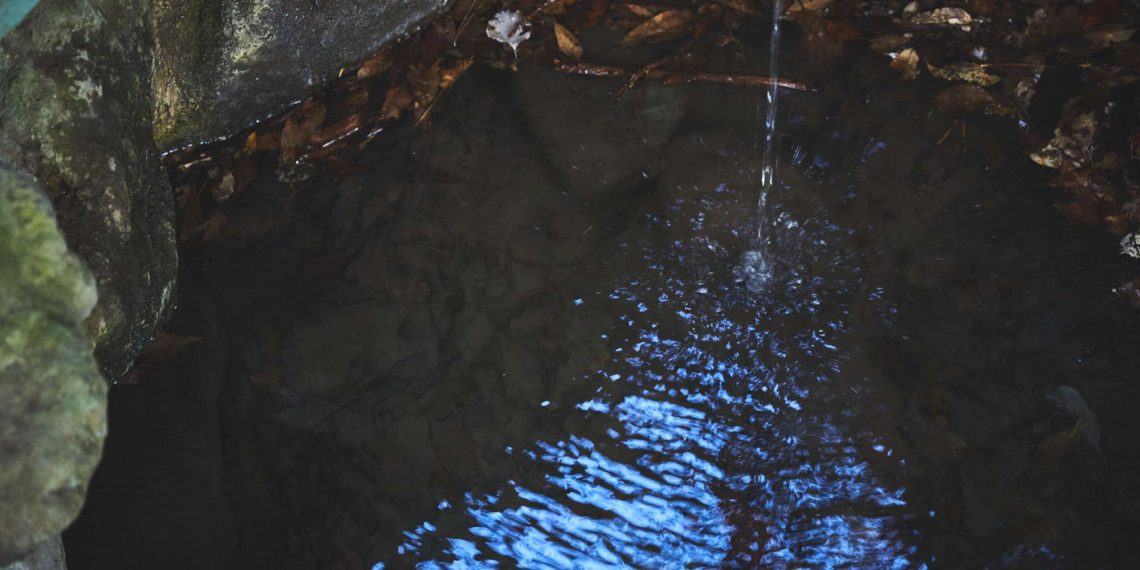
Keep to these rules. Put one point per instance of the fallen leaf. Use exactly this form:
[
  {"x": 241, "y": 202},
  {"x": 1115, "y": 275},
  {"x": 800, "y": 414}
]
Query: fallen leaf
[
  {"x": 250, "y": 145},
  {"x": 157, "y": 351},
  {"x": 336, "y": 131},
  {"x": 906, "y": 63},
  {"x": 632, "y": 10},
  {"x": 968, "y": 72},
  {"x": 666, "y": 26},
  {"x": 567, "y": 43},
  {"x": 300, "y": 125},
  {"x": 224, "y": 189},
  {"x": 807, "y": 5},
  {"x": 375, "y": 65},
  {"x": 944, "y": 17},
  {"x": 450, "y": 73},
  {"x": 396, "y": 102},
  {"x": 508, "y": 27}
]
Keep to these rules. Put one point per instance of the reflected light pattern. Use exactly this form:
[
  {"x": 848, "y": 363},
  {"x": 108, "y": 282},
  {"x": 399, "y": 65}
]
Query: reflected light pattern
[{"x": 727, "y": 439}]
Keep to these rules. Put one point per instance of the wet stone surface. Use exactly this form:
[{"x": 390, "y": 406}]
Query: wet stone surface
[{"x": 455, "y": 358}]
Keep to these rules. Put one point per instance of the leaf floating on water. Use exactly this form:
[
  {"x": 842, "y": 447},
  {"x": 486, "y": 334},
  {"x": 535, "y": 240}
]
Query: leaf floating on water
[
  {"x": 969, "y": 72},
  {"x": 508, "y": 27},
  {"x": 666, "y": 26},
  {"x": 633, "y": 10},
  {"x": 906, "y": 63},
  {"x": 807, "y": 5},
  {"x": 944, "y": 17},
  {"x": 567, "y": 43}
]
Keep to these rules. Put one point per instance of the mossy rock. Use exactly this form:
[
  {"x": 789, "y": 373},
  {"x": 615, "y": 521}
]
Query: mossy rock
[
  {"x": 76, "y": 113},
  {"x": 52, "y": 428}
]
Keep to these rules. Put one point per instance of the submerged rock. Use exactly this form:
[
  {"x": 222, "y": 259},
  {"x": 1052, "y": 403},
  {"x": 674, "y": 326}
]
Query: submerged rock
[
  {"x": 76, "y": 114},
  {"x": 597, "y": 143},
  {"x": 52, "y": 428},
  {"x": 221, "y": 65}
]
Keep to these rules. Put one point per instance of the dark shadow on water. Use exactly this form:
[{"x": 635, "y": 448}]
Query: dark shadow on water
[{"x": 497, "y": 344}]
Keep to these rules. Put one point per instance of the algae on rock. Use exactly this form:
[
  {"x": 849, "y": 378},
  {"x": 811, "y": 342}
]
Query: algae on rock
[
  {"x": 52, "y": 428},
  {"x": 75, "y": 85}
]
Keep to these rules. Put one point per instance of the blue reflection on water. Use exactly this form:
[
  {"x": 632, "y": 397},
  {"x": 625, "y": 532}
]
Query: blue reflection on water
[{"x": 727, "y": 439}]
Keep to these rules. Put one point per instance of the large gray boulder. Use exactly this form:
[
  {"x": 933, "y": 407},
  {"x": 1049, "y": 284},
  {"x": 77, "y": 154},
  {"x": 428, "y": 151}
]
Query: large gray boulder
[
  {"x": 53, "y": 420},
  {"x": 221, "y": 65},
  {"x": 76, "y": 113},
  {"x": 86, "y": 86}
]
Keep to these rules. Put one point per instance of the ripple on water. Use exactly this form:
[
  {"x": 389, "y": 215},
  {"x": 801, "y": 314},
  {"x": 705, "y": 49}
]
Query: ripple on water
[{"x": 725, "y": 440}]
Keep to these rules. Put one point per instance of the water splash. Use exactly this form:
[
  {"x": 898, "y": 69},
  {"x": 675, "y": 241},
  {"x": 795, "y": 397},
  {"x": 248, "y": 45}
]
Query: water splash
[{"x": 755, "y": 268}]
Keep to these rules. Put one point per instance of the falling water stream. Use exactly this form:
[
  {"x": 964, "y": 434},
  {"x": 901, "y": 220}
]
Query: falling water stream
[{"x": 756, "y": 269}]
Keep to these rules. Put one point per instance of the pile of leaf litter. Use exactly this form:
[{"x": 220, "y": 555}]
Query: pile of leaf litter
[{"x": 993, "y": 57}]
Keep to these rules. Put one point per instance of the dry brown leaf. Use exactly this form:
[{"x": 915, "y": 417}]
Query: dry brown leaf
[
  {"x": 250, "y": 144},
  {"x": 806, "y": 5},
  {"x": 450, "y": 73},
  {"x": 632, "y": 10},
  {"x": 224, "y": 189},
  {"x": 906, "y": 63},
  {"x": 666, "y": 26},
  {"x": 567, "y": 43},
  {"x": 944, "y": 17},
  {"x": 300, "y": 125},
  {"x": 375, "y": 65},
  {"x": 336, "y": 131},
  {"x": 397, "y": 101}
]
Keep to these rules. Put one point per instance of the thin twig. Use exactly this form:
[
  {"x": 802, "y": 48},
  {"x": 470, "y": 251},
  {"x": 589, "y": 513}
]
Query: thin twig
[{"x": 675, "y": 78}]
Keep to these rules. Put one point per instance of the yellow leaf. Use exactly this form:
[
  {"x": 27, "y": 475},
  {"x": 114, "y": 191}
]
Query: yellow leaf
[
  {"x": 969, "y": 72},
  {"x": 567, "y": 43},
  {"x": 666, "y": 26},
  {"x": 906, "y": 63}
]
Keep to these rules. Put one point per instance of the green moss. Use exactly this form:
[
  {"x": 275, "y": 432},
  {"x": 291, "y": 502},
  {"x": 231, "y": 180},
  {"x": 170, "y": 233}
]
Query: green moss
[{"x": 53, "y": 424}]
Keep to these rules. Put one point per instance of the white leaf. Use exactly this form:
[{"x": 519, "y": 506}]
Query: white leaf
[{"x": 508, "y": 27}]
